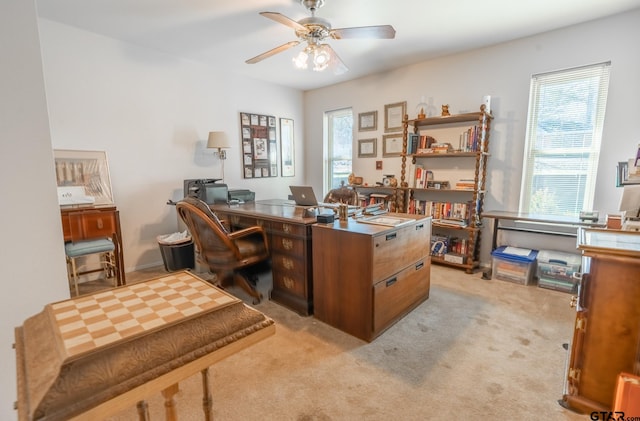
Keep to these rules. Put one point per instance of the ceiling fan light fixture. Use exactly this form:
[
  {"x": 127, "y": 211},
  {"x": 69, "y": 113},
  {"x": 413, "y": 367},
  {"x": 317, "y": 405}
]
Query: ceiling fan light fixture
[
  {"x": 321, "y": 56},
  {"x": 300, "y": 61}
]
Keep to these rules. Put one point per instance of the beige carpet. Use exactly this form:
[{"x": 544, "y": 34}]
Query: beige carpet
[{"x": 476, "y": 349}]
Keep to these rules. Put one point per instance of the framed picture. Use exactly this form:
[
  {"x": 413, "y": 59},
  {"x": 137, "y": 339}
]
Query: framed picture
[
  {"x": 287, "y": 151},
  {"x": 392, "y": 145},
  {"x": 393, "y": 116},
  {"x": 87, "y": 169},
  {"x": 259, "y": 145},
  {"x": 367, "y": 148},
  {"x": 368, "y": 121}
]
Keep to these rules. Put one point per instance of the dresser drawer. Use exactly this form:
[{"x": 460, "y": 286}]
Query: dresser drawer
[
  {"x": 399, "y": 248},
  {"x": 399, "y": 293},
  {"x": 86, "y": 225},
  {"x": 288, "y": 245}
]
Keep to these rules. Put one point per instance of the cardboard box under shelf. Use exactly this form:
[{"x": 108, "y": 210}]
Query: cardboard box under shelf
[{"x": 513, "y": 267}]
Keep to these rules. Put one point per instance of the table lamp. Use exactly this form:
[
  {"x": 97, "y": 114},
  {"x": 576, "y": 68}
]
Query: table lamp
[{"x": 219, "y": 141}]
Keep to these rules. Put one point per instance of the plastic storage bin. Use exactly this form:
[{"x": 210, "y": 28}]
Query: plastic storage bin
[
  {"x": 177, "y": 252},
  {"x": 559, "y": 271},
  {"x": 518, "y": 268}
]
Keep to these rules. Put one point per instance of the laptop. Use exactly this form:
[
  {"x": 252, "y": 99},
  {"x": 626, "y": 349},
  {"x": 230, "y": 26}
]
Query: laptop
[{"x": 304, "y": 195}]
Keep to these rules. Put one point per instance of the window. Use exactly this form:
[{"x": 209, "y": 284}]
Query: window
[
  {"x": 339, "y": 138},
  {"x": 564, "y": 129}
]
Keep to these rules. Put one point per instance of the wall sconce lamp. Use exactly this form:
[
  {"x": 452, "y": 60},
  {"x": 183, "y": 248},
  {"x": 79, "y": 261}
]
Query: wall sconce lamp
[{"x": 219, "y": 141}]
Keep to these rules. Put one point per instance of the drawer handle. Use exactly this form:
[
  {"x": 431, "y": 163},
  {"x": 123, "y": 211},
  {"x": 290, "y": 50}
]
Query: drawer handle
[
  {"x": 391, "y": 281},
  {"x": 287, "y": 263},
  {"x": 391, "y": 236},
  {"x": 419, "y": 265},
  {"x": 286, "y": 228},
  {"x": 288, "y": 282},
  {"x": 100, "y": 224},
  {"x": 419, "y": 227},
  {"x": 287, "y": 244}
]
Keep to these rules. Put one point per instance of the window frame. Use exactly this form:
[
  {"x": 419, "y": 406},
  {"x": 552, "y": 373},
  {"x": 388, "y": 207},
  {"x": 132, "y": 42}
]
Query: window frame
[
  {"x": 330, "y": 157},
  {"x": 584, "y": 157}
]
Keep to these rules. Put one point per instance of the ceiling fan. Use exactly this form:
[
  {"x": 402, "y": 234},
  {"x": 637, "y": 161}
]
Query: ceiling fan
[{"x": 314, "y": 31}]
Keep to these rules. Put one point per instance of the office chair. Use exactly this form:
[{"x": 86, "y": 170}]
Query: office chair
[
  {"x": 101, "y": 246},
  {"x": 342, "y": 194},
  {"x": 225, "y": 253}
]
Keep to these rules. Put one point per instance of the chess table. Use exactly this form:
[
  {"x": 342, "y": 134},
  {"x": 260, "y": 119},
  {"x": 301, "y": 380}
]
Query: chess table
[{"x": 92, "y": 356}]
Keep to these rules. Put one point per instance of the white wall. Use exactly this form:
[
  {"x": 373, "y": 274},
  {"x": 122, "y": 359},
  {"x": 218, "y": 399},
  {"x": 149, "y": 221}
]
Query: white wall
[
  {"x": 502, "y": 71},
  {"x": 152, "y": 114},
  {"x": 32, "y": 262}
]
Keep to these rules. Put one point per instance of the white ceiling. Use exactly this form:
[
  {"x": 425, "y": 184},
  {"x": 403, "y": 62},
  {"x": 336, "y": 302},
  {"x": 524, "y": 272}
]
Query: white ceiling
[{"x": 227, "y": 32}]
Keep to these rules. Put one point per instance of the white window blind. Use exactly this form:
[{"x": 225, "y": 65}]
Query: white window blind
[{"x": 564, "y": 131}]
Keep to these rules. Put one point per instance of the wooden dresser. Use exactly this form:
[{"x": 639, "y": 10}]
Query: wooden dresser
[
  {"x": 606, "y": 338},
  {"x": 366, "y": 276},
  {"x": 289, "y": 232}
]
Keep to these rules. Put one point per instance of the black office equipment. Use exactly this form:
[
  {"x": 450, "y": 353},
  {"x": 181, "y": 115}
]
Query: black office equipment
[{"x": 207, "y": 190}]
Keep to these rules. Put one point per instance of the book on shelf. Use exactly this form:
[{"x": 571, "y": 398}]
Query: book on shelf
[
  {"x": 421, "y": 177},
  {"x": 469, "y": 140},
  {"x": 466, "y": 184},
  {"x": 413, "y": 141}
]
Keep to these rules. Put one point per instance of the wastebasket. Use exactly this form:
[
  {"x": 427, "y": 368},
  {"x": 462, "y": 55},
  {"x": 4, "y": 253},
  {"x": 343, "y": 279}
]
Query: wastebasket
[{"x": 177, "y": 251}]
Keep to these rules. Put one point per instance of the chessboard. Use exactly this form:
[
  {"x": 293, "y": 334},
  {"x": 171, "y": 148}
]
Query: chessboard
[{"x": 89, "y": 322}]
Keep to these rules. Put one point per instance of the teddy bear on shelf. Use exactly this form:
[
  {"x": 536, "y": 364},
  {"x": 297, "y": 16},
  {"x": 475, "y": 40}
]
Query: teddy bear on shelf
[{"x": 445, "y": 110}]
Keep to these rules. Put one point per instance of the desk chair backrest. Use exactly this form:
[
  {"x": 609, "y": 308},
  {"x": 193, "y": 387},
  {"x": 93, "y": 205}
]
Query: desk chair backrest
[{"x": 344, "y": 195}]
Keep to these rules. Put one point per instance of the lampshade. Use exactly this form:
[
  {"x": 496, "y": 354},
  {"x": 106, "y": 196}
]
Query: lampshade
[{"x": 218, "y": 140}]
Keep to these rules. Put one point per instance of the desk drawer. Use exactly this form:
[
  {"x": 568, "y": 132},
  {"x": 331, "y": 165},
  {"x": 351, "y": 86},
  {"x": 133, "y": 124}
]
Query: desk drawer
[
  {"x": 240, "y": 222},
  {"x": 399, "y": 293},
  {"x": 399, "y": 248},
  {"x": 286, "y": 263},
  {"x": 296, "y": 230},
  {"x": 288, "y": 245},
  {"x": 290, "y": 281}
]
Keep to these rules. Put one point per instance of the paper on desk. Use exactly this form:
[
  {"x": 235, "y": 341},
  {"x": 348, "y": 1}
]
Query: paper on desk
[{"x": 516, "y": 251}]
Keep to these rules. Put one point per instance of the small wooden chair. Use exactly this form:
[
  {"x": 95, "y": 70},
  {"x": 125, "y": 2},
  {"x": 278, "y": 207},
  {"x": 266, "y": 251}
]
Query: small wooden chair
[{"x": 102, "y": 246}]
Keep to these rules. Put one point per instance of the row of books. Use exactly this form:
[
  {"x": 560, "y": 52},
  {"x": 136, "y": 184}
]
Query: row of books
[
  {"x": 442, "y": 245},
  {"x": 416, "y": 141},
  {"x": 374, "y": 199},
  {"x": 468, "y": 141},
  {"x": 421, "y": 177},
  {"x": 441, "y": 210}
]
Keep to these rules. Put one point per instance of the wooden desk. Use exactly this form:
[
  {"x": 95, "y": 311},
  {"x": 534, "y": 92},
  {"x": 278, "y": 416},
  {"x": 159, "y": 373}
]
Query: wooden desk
[
  {"x": 89, "y": 222},
  {"x": 366, "y": 277},
  {"x": 565, "y": 226},
  {"x": 90, "y": 357},
  {"x": 606, "y": 337},
  {"x": 289, "y": 230}
]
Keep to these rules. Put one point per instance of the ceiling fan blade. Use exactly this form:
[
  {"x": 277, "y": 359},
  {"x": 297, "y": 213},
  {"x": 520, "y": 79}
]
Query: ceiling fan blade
[
  {"x": 272, "y": 52},
  {"x": 337, "y": 65},
  {"x": 280, "y": 18},
  {"x": 378, "y": 31}
]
